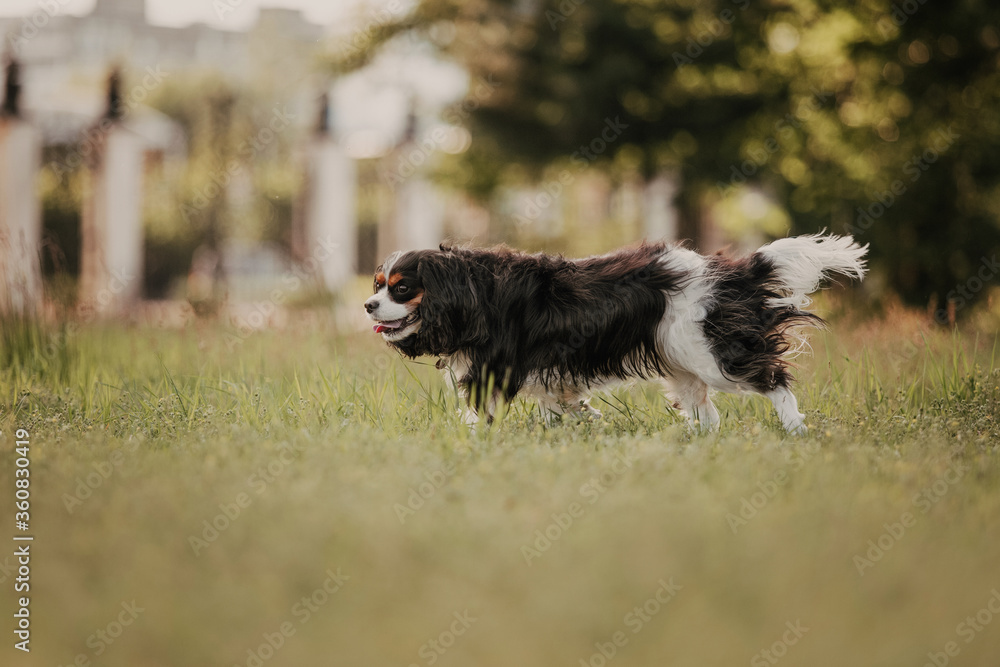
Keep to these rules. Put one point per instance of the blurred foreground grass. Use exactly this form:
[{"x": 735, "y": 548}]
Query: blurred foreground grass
[{"x": 324, "y": 460}]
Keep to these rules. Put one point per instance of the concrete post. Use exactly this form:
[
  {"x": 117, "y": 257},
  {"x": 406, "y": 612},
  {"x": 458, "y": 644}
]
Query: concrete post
[
  {"x": 112, "y": 254},
  {"x": 20, "y": 219},
  {"x": 660, "y": 214},
  {"x": 419, "y": 215},
  {"x": 330, "y": 242},
  {"x": 20, "y": 212},
  {"x": 417, "y": 220}
]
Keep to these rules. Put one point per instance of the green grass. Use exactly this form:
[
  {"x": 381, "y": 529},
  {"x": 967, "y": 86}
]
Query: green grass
[{"x": 183, "y": 421}]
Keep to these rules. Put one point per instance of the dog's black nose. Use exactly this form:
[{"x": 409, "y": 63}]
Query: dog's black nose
[{"x": 370, "y": 306}]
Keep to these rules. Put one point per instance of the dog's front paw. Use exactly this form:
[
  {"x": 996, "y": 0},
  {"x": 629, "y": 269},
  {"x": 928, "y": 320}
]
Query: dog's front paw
[
  {"x": 797, "y": 428},
  {"x": 587, "y": 410}
]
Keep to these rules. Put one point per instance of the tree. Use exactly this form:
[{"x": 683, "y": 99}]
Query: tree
[{"x": 875, "y": 118}]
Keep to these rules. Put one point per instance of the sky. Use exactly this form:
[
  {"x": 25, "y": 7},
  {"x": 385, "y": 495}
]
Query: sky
[{"x": 185, "y": 12}]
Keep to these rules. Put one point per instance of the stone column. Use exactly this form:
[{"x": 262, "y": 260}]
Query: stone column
[
  {"x": 20, "y": 219},
  {"x": 20, "y": 212},
  {"x": 112, "y": 254},
  {"x": 660, "y": 214},
  {"x": 419, "y": 215},
  {"x": 330, "y": 239},
  {"x": 417, "y": 220}
]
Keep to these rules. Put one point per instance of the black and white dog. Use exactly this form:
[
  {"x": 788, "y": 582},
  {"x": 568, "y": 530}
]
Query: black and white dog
[{"x": 505, "y": 322}]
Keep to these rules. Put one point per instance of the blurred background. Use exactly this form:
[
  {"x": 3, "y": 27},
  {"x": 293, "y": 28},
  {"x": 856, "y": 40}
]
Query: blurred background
[
  {"x": 193, "y": 195},
  {"x": 180, "y": 159}
]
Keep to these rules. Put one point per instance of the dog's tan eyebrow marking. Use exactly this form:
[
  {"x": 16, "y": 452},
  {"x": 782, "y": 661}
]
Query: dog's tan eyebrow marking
[
  {"x": 395, "y": 278},
  {"x": 380, "y": 278}
]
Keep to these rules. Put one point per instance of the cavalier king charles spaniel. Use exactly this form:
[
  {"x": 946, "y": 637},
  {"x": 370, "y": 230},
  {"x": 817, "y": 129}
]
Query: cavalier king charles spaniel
[{"x": 504, "y": 323}]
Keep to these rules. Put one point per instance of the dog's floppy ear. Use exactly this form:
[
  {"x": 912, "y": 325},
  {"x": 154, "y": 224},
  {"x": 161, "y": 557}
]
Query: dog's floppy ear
[{"x": 451, "y": 308}]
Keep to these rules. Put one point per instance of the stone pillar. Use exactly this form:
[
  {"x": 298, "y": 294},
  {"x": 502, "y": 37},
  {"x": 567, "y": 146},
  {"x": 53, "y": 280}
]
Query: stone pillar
[
  {"x": 417, "y": 219},
  {"x": 20, "y": 212},
  {"x": 330, "y": 238},
  {"x": 660, "y": 214},
  {"x": 112, "y": 235},
  {"x": 20, "y": 219},
  {"x": 419, "y": 215}
]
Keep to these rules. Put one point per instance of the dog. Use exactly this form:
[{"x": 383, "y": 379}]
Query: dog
[{"x": 505, "y": 323}]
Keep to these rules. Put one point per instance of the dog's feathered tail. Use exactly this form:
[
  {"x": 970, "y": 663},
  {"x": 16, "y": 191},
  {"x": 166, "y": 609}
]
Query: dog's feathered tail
[{"x": 802, "y": 263}]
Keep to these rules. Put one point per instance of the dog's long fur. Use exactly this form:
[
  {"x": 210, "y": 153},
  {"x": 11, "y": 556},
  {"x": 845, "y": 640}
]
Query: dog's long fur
[{"x": 557, "y": 328}]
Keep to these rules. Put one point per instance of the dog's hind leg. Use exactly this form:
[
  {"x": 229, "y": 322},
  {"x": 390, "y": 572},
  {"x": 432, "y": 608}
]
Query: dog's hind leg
[
  {"x": 788, "y": 410},
  {"x": 691, "y": 396}
]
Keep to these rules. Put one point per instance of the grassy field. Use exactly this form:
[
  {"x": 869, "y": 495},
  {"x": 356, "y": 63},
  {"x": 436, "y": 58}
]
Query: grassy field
[{"x": 299, "y": 497}]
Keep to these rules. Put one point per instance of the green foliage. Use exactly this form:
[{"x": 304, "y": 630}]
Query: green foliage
[
  {"x": 61, "y": 201},
  {"x": 879, "y": 118},
  {"x": 34, "y": 352}
]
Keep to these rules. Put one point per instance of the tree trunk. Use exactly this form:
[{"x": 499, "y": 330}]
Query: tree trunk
[{"x": 690, "y": 223}]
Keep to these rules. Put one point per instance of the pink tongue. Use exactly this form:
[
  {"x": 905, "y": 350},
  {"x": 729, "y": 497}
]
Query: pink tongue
[{"x": 387, "y": 326}]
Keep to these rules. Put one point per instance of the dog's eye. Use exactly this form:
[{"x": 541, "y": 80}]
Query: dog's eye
[{"x": 402, "y": 289}]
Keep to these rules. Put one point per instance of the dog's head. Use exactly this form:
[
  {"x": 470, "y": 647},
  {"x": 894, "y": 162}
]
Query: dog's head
[{"x": 425, "y": 302}]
